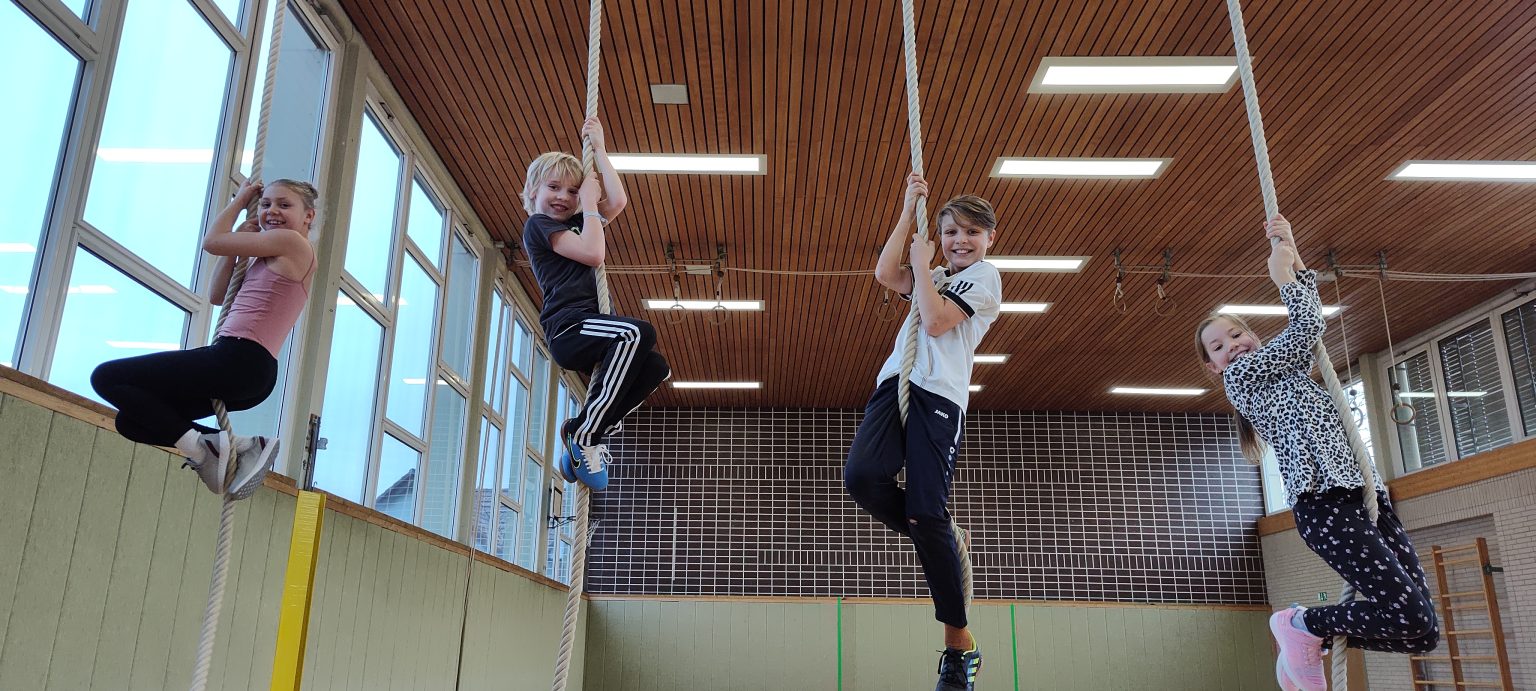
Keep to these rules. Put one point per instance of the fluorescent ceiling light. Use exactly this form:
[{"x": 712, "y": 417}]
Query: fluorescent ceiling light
[
  {"x": 144, "y": 345},
  {"x": 1134, "y": 74},
  {"x": 1496, "y": 171},
  {"x": 1415, "y": 394},
  {"x": 735, "y": 305},
  {"x": 974, "y": 388},
  {"x": 1155, "y": 391},
  {"x": 1041, "y": 264},
  {"x": 418, "y": 381},
  {"x": 717, "y": 385},
  {"x": 91, "y": 289},
  {"x": 16, "y": 248},
  {"x": 1466, "y": 394},
  {"x": 1105, "y": 168},
  {"x": 1268, "y": 310},
  {"x": 1032, "y": 307},
  {"x": 730, "y": 164},
  {"x": 991, "y": 359}
]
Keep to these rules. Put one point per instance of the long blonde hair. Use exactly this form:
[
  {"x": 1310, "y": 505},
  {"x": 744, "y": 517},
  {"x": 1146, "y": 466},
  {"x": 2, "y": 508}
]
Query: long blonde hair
[{"x": 1247, "y": 437}]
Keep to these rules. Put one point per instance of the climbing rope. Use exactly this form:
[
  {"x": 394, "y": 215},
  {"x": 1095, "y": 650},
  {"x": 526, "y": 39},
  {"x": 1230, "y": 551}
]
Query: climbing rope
[
  {"x": 604, "y": 305},
  {"x": 209, "y": 632},
  {"x": 1324, "y": 364},
  {"x": 910, "y": 327},
  {"x": 915, "y": 132}
]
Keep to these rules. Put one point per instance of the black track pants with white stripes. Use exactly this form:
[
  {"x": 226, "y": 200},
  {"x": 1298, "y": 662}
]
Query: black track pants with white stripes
[{"x": 619, "y": 354}]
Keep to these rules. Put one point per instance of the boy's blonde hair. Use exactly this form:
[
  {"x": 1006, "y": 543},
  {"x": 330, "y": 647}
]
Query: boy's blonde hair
[
  {"x": 970, "y": 208},
  {"x": 550, "y": 164}
]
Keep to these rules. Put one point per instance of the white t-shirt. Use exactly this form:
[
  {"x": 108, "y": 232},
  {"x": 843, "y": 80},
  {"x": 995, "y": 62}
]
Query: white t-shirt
[{"x": 944, "y": 362}]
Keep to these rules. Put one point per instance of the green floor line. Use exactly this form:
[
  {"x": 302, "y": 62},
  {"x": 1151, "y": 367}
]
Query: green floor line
[
  {"x": 1013, "y": 627},
  {"x": 840, "y": 646}
]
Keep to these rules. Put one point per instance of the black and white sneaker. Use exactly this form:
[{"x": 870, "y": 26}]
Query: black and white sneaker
[
  {"x": 958, "y": 669},
  {"x": 214, "y": 464}
]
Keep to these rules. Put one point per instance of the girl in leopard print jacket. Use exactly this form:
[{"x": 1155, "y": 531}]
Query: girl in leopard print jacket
[{"x": 1277, "y": 402}]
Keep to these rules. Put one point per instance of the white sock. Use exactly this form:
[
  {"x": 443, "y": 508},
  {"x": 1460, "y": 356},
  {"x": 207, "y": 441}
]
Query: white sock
[{"x": 190, "y": 445}]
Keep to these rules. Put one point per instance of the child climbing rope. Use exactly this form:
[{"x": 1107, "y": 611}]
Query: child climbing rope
[
  {"x": 952, "y": 308},
  {"x": 1278, "y": 403},
  {"x": 160, "y": 396},
  {"x": 564, "y": 240}
]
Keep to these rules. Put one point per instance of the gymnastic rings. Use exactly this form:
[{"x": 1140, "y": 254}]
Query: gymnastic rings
[
  {"x": 887, "y": 311},
  {"x": 1165, "y": 306},
  {"x": 676, "y": 313},
  {"x": 718, "y": 311},
  {"x": 1401, "y": 418}
]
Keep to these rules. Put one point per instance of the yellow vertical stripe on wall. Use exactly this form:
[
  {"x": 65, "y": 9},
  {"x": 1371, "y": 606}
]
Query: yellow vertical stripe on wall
[
  {"x": 298, "y": 588},
  {"x": 111, "y": 546}
]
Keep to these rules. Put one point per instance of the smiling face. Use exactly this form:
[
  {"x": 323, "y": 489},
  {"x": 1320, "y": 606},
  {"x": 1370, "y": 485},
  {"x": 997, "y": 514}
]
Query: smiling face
[
  {"x": 1223, "y": 341},
  {"x": 557, "y": 197},
  {"x": 967, "y": 226},
  {"x": 963, "y": 243},
  {"x": 283, "y": 207}
]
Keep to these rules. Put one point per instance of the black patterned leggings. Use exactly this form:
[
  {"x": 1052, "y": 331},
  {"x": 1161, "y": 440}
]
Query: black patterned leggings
[{"x": 1393, "y": 610}]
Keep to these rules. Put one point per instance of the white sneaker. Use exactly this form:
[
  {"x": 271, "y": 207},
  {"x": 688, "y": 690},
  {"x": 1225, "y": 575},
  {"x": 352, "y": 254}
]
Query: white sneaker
[
  {"x": 214, "y": 464},
  {"x": 254, "y": 459}
]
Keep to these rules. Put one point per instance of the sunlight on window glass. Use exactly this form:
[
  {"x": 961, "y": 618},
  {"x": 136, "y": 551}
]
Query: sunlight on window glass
[
  {"x": 150, "y": 184},
  {"x": 32, "y": 140},
  {"x": 346, "y": 420},
  {"x": 108, "y": 316}
]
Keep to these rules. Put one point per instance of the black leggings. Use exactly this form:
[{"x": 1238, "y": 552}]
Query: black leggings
[
  {"x": 1393, "y": 610},
  {"x": 159, "y": 396}
]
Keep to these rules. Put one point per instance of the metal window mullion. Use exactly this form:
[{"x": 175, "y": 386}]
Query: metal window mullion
[
  {"x": 394, "y": 280},
  {"x": 110, "y": 251},
  {"x": 364, "y": 299},
  {"x": 421, "y": 260},
  {"x": 1507, "y": 377},
  {"x": 65, "y": 26},
  {"x": 55, "y": 263},
  {"x": 424, "y": 176},
  {"x": 404, "y": 435},
  {"x": 224, "y": 26},
  {"x": 251, "y": 83},
  {"x": 1391, "y": 401},
  {"x": 376, "y": 425},
  {"x": 1442, "y": 402}
]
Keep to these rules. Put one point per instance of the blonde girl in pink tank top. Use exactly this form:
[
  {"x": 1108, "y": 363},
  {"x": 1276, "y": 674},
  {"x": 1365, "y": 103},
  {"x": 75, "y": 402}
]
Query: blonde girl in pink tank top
[{"x": 160, "y": 396}]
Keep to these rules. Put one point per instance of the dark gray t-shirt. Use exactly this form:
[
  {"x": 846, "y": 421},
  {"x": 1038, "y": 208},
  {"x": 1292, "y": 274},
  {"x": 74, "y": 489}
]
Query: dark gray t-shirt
[{"x": 569, "y": 286}]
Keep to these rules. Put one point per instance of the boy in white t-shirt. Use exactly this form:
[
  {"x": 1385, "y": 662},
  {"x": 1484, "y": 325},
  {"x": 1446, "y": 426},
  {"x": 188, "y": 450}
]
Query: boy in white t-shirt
[{"x": 954, "y": 310}]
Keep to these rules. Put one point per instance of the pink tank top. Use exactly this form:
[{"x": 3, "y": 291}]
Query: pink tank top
[{"x": 267, "y": 306}]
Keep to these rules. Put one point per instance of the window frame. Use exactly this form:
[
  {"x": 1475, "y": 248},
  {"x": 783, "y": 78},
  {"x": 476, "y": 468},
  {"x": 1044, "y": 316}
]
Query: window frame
[{"x": 1428, "y": 343}]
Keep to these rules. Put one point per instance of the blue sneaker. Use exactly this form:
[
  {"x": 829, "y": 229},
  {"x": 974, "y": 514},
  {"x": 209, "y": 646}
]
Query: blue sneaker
[
  {"x": 958, "y": 668},
  {"x": 585, "y": 464}
]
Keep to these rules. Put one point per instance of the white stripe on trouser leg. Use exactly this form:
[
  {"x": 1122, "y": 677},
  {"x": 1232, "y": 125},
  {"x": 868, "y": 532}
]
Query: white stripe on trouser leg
[{"x": 628, "y": 336}]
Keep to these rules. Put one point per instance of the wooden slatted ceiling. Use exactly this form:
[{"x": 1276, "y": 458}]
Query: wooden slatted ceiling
[{"x": 1349, "y": 90}]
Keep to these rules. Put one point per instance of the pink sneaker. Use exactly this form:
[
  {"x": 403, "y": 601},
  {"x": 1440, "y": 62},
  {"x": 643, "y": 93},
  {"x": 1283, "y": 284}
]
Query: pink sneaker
[
  {"x": 1301, "y": 653},
  {"x": 1285, "y": 679}
]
